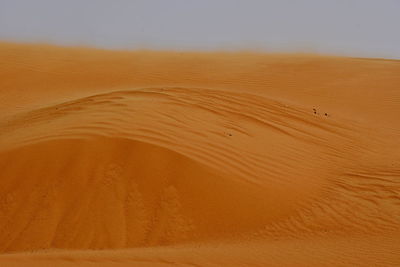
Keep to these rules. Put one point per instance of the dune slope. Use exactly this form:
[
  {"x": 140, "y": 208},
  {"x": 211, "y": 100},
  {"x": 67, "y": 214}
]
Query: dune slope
[{"x": 114, "y": 158}]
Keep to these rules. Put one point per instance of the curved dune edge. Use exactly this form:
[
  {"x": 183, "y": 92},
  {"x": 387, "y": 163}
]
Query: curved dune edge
[
  {"x": 101, "y": 193},
  {"x": 201, "y": 175}
]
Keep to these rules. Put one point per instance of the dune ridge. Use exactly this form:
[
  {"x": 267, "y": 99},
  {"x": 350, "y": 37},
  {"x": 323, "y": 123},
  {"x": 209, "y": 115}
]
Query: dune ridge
[{"x": 186, "y": 158}]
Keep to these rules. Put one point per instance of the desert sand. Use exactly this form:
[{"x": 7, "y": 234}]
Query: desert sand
[{"x": 143, "y": 158}]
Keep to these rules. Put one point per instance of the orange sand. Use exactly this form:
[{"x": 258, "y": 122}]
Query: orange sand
[{"x": 115, "y": 158}]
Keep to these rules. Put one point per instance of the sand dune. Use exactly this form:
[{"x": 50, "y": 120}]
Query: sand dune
[{"x": 116, "y": 158}]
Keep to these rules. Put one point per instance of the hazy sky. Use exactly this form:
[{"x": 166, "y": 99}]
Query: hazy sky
[{"x": 350, "y": 27}]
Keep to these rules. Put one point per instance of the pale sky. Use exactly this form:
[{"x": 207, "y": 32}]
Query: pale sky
[{"x": 369, "y": 28}]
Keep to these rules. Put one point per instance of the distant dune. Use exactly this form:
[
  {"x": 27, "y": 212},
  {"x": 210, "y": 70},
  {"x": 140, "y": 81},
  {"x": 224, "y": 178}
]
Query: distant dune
[{"x": 119, "y": 158}]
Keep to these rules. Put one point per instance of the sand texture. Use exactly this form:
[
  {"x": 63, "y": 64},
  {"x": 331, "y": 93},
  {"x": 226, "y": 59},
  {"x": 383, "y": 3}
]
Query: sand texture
[{"x": 117, "y": 158}]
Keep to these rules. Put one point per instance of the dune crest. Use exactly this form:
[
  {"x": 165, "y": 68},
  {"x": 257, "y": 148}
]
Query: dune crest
[{"x": 157, "y": 158}]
